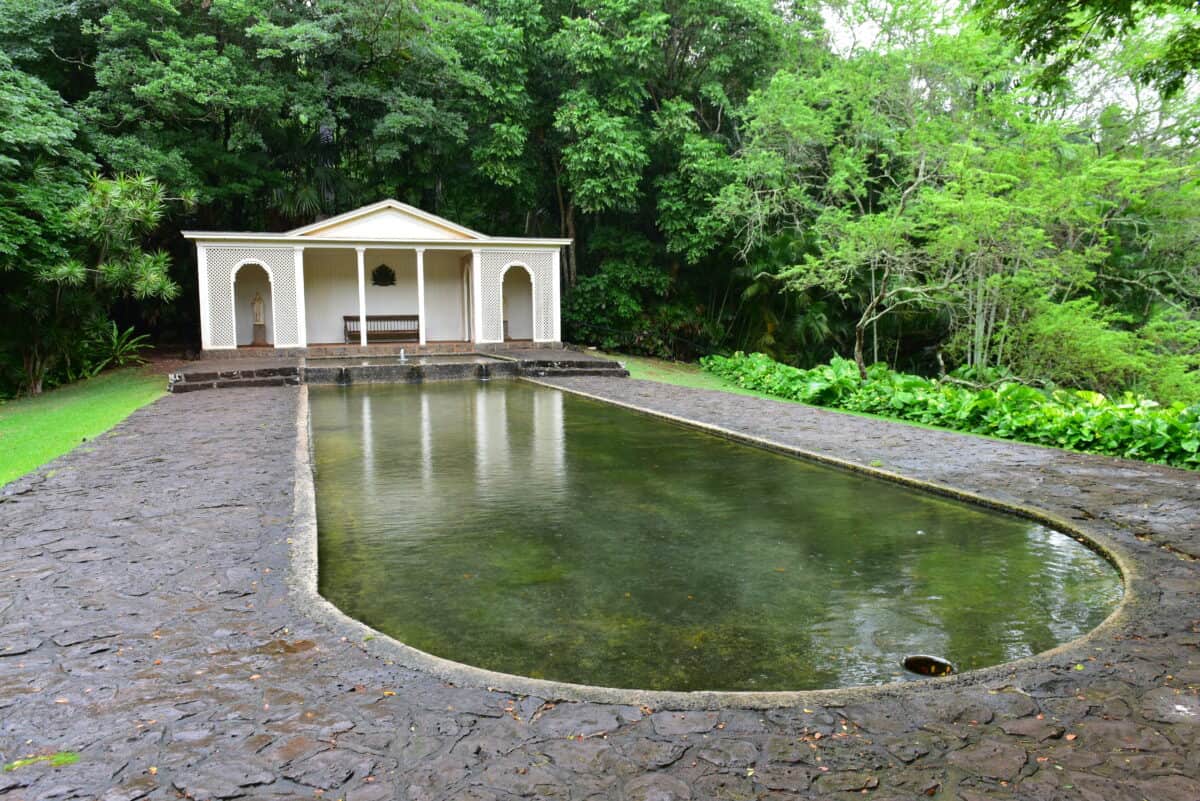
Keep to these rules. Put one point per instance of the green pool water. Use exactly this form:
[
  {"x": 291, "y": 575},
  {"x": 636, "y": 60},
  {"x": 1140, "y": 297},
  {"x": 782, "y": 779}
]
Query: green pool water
[{"x": 525, "y": 530}]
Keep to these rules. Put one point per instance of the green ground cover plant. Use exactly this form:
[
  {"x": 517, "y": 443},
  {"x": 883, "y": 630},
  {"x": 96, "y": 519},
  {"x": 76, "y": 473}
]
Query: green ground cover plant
[
  {"x": 1129, "y": 426},
  {"x": 37, "y": 429},
  {"x": 58, "y": 759}
]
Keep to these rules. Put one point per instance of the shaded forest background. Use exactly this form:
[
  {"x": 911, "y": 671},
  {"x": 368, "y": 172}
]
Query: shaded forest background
[{"x": 997, "y": 191}]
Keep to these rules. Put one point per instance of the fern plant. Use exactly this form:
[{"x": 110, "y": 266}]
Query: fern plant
[{"x": 111, "y": 347}]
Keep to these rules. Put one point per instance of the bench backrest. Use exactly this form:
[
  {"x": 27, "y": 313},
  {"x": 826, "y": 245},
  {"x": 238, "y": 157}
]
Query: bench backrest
[{"x": 389, "y": 323}]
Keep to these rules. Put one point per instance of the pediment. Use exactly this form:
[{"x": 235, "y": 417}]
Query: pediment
[{"x": 389, "y": 219}]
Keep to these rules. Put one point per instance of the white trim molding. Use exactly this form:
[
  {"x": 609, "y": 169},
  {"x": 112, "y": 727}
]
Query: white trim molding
[
  {"x": 420, "y": 296},
  {"x": 202, "y": 281},
  {"x": 301, "y": 315},
  {"x": 476, "y": 297}
]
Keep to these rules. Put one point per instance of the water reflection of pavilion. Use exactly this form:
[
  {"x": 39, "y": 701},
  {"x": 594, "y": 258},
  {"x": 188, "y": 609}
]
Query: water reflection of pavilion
[{"x": 510, "y": 438}]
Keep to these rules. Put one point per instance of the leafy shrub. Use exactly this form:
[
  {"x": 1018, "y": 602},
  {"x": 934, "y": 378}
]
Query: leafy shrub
[
  {"x": 1077, "y": 343},
  {"x": 1128, "y": 426},
  {"x": 1171, "y": 343},
  {"x": 625, "y": 306}
]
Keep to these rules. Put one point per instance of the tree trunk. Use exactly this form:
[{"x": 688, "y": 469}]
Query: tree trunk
[
  {"x": 566, "y": 223},
  {"x": 570, "y": 225},
  {"x": 977, "y": 334},
  {"x": 35, "y": 370},
  {"x": 860, "y": 331},
  {"x": 874, "y": 324}
]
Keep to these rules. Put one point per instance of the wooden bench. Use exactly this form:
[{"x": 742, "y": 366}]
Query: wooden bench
[{"x": 383, "y": 327}]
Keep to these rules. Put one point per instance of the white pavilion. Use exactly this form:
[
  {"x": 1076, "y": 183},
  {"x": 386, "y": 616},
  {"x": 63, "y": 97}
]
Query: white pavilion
[{"x": 387, "y": 272}]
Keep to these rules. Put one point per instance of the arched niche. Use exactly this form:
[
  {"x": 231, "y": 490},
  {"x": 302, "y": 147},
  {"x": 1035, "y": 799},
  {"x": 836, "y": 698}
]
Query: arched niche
[
  {"x": 517, "y": 294},
  {"x": 249, "y": 279}
]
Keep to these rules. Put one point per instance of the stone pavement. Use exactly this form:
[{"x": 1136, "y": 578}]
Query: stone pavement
[{"x": 145, "y": 623}]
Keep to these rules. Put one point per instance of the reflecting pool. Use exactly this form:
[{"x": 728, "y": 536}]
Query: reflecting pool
[{"x": 525, "y": 530}]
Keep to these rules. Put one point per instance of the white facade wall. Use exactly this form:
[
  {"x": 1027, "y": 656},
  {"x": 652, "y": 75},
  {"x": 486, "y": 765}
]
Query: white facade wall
[
  {"x": 495, "y": 265},
  {"x": 220, "y": 320},
  {"x": 331, "y": 290},
  {"x": 444, "y": 296}
]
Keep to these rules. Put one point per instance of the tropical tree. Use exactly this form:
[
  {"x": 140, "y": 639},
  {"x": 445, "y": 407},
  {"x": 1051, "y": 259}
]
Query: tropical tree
[{"x": 1063, "y": 37}]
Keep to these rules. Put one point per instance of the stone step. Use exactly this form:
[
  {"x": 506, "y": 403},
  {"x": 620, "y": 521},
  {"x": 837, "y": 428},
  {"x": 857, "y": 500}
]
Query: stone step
[
  {"x": 568, "y": 364},
  {"x": 565, "y": 372},
  {"x": 259, "y": 372},
  {"x": 225, "y": 380},
  {"x": 276, "y": 381}
]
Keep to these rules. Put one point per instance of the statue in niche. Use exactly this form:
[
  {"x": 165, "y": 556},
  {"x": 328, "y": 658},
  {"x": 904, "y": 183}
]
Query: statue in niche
[
  {"x": 257, "y": 306},
  {"x": 260, "y": 321}
]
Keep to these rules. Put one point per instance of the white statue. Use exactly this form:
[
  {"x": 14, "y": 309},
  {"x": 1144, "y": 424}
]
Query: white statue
[{"x": 257, "y": 305}]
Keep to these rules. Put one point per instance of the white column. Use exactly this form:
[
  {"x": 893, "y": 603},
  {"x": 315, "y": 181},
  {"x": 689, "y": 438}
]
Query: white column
[
  {"x": 301, "y": 319},
  {"x": 421, "y": 296},
  {"x": 477, "y": 295},
  {"x": 202, "y": 280},
  {"x": 362, "y": 297},
  {"x": 556, "y": 284},
  {"x": 466, "y": 297}
]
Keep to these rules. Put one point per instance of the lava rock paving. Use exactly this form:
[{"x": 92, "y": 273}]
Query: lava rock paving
[{"x": 146, "y": 625}]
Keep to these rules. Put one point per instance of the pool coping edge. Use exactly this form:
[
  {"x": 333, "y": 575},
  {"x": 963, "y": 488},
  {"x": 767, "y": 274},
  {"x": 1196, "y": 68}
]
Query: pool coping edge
[{"x": 303, "y": 575}]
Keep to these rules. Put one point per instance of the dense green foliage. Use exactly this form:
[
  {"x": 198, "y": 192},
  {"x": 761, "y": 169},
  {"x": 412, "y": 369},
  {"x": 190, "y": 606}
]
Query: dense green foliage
[
  {"x": 880, "y": 178},
  {"x": 1128, "y": 426},
  {"x": 1061, "y": 35}
]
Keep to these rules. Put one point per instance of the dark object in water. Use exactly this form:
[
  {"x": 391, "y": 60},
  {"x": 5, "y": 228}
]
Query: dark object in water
[{"x": 926, "y": 665}]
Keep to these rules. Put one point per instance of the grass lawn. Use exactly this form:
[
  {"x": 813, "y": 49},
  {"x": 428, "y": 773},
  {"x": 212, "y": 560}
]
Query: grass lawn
[
  {"x": 35, "y": 430},
  {"x": 682, "y": 374}
]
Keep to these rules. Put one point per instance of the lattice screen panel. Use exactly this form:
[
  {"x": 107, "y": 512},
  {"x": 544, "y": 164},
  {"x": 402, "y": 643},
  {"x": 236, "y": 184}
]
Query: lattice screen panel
[
  {"x": 541, "y": 263},
  {"x": 280, "y": 264}
]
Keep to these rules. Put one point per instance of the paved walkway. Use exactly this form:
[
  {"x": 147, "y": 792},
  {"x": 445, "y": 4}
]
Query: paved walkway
[{"x": 145, "y": 623}]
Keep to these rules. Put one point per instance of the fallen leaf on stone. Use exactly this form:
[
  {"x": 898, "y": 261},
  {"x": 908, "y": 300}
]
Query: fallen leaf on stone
[{"x": 1071, "y": 736}]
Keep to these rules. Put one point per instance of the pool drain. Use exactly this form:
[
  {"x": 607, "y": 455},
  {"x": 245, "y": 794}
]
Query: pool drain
[{"x": 926, "y": 665}]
